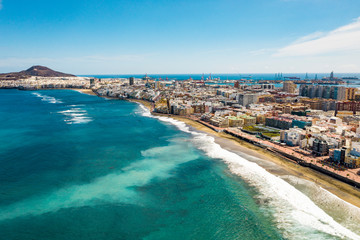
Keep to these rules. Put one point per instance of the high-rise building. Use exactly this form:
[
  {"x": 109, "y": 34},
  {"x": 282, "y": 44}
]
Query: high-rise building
[
  {"x": 350, "y": 93},
  {"x": 320, "y": 147},
  {"x": 245, "y": 99},
  {"x": 131, "y": 81},
  {"x": 237, "y": 84},
  {"x": 304, "y": 90},
  {"x": 157, "y": 85},
  {"x": 312, "y": 92},
  {"x": 92, "y": 82},
  {"x": 332, "y": 76},
  {"x": 327, "y": 92},
  {"x": 340, "y": 93},
  {"x": 319, "y": 91},
  {"x": 289, "y": 87}
]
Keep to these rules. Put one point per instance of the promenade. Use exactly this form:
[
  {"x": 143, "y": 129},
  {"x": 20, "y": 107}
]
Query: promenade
[
  {"x": 349, "y": 176},
  {"x": 292, "y": 154}
]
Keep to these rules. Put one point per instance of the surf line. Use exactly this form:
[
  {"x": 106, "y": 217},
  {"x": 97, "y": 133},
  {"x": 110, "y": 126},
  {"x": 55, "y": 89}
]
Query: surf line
[{"x": 292, "y": 207}]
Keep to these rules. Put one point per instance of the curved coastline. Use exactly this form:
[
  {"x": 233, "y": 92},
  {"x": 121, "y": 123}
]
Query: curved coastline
[
  {"x": 279, "y": 181},
  {"x": 291, "y": 205},
  {"x": 263, "y": 157}
]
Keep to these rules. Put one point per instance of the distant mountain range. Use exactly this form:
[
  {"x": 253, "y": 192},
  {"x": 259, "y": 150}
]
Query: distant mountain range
[{"x": 38, "y": 71}]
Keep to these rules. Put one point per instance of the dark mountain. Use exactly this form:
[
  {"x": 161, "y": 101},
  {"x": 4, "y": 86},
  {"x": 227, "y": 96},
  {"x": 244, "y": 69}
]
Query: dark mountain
[{"x": 39, "y": 71}]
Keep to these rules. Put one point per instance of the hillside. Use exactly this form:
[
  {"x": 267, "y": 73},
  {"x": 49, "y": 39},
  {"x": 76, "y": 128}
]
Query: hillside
[{"x": 39, "y": 71}]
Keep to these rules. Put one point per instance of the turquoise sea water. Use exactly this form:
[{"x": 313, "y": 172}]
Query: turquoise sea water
[{"x": 74, "y": 166}]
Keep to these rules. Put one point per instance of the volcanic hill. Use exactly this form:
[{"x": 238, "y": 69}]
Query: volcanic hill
[{"x": 38, "y": 71}]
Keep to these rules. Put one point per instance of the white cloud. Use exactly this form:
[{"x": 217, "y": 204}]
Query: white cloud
[
  {"x": 344, "y": 39},
  {"x": 312, "y": 36}
]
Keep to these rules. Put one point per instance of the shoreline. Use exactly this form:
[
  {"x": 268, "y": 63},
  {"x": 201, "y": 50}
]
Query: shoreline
[
  {"x": 84, "y": 90},
  {"x": 274, "y": 163},
  {"x": 282, "y": 166}
]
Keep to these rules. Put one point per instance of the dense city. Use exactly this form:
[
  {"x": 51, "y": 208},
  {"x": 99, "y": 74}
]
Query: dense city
[{"x": 310, "y": 123}]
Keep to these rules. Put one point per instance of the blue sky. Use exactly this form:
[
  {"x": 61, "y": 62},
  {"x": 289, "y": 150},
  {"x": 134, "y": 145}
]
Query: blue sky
[{"x": 188, "y": 36}]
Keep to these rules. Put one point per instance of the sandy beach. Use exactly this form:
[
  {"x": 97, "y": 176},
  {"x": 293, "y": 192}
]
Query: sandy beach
[
  {"x": 86, "y": 91},
  {"x": 274, "y": 164},
  {"x": 282, "y": 166}
]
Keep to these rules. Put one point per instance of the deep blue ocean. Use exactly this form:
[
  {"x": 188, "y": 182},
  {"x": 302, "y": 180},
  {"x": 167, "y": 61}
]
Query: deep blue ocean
[
  {"x": 229, "y": 76},
  {"x": 253, "y": 76},
  {"x": 74, "y": 166}
]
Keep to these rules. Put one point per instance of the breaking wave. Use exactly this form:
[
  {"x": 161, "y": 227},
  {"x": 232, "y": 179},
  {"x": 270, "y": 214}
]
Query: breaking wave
[
  {"x": 76, "y": 115},
  {"x": 296, "y": 215},
  {"x": 46, "y": 98}
]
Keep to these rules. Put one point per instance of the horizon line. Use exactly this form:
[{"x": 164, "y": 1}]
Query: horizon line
[{"x": 216, "y": 73}]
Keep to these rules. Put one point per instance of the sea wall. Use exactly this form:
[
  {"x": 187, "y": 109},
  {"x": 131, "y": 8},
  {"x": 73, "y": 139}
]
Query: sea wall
[
  {"x": 299, "y": 161},
  {"x": 334, "y": 175}
]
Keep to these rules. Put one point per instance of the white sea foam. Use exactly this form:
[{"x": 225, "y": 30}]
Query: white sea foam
[
  {"x": 297, "y": 216},
  {"x": 295, "y": 212},
  {"x": 114, "y": 188},
  {"x": 46, "y": 98},
  {"x": 78, "y": 105},
  {"x": 342, "y": 211},
  {"x": 76, "y": 115},
  {"x": 180, "y": 125},
  {"x": 145, "y": 112}
]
